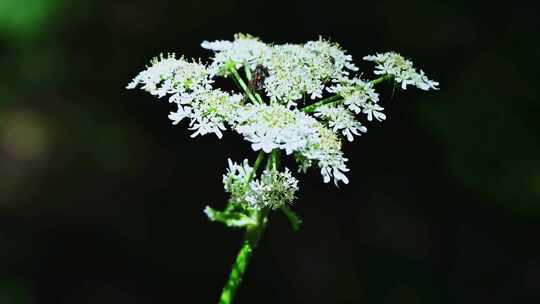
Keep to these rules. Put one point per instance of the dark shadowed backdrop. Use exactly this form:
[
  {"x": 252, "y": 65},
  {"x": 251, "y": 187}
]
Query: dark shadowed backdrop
[{"x": 101, "y": 198}]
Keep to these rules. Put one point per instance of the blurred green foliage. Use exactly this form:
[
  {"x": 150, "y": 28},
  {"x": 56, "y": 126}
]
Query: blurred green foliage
[
  {"x": 24, "y": 19},
  {"x": 13, "y": 292}
]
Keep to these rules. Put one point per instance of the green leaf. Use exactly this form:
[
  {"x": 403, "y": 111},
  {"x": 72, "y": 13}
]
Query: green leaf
[{"x": 230, "y": 218}]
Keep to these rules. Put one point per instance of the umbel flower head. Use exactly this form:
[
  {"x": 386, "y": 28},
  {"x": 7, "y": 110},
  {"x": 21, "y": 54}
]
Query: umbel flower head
[
  {"x": 273, "y": 190},
  {"x": 303, "y": 99}
]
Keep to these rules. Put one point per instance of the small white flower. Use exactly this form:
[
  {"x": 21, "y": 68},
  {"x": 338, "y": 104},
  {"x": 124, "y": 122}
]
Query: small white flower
[
  {"x": 244, "y": 50},
  {"x": 208, "y": 111},
  {"x": 340, "y": 61},
  {"x": 168, "y": 75},
  {"x": 273, "y": 190},
  {"x": 340, "y": 119},
  {"x": 298, "y": 70},
  {"x": 373, "y": 110},
  {"x": 324, "y": 147},
  {"x": 270, "y": 127},
  {"x": 236, "y": 172},
  {"x": 392, "y": 63},
  {"x": 356, "y": 93},
  {"x": 292, "y": 74},
  {"x": 235, "y": 179}
]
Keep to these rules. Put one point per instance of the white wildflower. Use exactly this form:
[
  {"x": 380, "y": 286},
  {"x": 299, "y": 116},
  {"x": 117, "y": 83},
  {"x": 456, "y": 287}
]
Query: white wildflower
[
  {"x": 340, "y": 119},
  {"x": 292, "y": 73},
  {"x": 295, "y": 70},
  {"x": 235, "y": 180},
  {"x": 273, "y": 190},
  {"x": 168, "y": 75},
  {"x": 208, "y": 111},
  {"x": 244, "y": 50},
  {"x": 331, "y": 52},
  {"x": 373, "y": 110},
  {"x": 325, "y": 148},
  {"x": 356, "y": 93},
  {"x": 270, "y": 127},
  {"x": 392, "y": 63}
]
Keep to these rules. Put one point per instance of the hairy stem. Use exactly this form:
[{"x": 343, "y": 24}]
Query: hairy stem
[
  {"x": 251, "y": 237},
  {"x": 336, "y": 98}
]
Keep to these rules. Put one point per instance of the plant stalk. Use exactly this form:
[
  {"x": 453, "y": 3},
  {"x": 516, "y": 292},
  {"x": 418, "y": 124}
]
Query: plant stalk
[{"x": 251, "y": 237}]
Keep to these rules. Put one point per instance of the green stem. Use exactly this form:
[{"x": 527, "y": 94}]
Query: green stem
[
  {"x": 251, "y": 238},
  {"x": 381, "y": 79},
  {"x": 293, "y": 218},
  {"x": 255, "y": 167},
  {"x": 248, "y": 72},
  {"x": 276, "y": 154},
  {"x": 259, "y": 98},
  {"x": 242, "y": 84},
  {"x": 336, "y": 98},
  {"x": 312, "y": 107}
]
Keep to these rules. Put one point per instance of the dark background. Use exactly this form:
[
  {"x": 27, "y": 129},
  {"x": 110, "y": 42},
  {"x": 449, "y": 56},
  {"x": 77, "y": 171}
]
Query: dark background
[{"x": 101, "y": 198}]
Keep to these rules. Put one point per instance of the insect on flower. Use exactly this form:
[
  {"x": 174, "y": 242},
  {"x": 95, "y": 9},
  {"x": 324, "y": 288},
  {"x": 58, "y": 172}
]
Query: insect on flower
[{"x": 257, "y": 80}]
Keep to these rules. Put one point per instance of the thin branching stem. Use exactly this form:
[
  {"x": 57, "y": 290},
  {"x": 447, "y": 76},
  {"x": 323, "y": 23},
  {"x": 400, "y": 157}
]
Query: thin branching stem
[
  {"x": 242, "y": 84},
  {"x": 336, "y": 98},
  {"x": 258, "y": 162}
]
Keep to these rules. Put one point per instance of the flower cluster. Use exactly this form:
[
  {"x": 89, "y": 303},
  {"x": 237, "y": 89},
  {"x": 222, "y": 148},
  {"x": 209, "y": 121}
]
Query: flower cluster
[
  {"x": 298, "y": 70},
  {"x": 392, "y": 63},
  {"x": 244, "y": 50},
  {"x": 294, "y": 70},
  {"x": 235, "y": 180},
  {"x": 273, "y": 190},
  {"x": 169, "y": 75},
  {"x": 341, "y": 120},
  {"x": 207, "y": 110},
  {"x": 359, "y": 97},
  {"x": 282, "y": 108},
  {"x": 325, "y": 149},
  {"x": 274, "y": 126}
]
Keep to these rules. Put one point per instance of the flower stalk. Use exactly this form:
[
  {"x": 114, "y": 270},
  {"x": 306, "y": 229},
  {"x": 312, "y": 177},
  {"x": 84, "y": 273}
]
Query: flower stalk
[{"x": 251, "y": 237}]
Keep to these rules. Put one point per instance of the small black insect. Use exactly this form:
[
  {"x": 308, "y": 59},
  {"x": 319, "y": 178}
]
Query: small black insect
[{"x": 257, "y": 79}]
